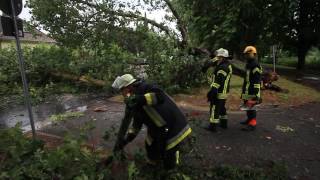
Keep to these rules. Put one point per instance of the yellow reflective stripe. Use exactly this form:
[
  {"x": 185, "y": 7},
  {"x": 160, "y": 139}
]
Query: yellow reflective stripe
[
  {"x": 131, "y": 131},
  {"x": 226, "y": 82},
  {"x": 155, "y": 116},
  {"x": 222, "y": 96},
  {"x": 224, "y": 117},
  {"x": 211, "y": 119},
  {"x": 256, "y": 86},
  {"x": 148, "y": 98},
  {"x": 177, "y": 157},
  {"x": 149, "y": 140},
  {"x": 151, "y": 98},
  {"x": 222, "y": 72},
  {"x": 214, "y": 121},
  {"x": 248, "y": 81},
  {"x": 177, "y": 139},
  {"x": 216, "y": 85},
  {"x": 257, "y": 70}
]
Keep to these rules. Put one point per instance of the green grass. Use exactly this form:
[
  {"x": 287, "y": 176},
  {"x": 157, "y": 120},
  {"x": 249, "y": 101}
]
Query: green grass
[
  {"x": 312, "y": 60},
  {"x": 65, "y": 116},
  {"x": 297, "y": 94}
]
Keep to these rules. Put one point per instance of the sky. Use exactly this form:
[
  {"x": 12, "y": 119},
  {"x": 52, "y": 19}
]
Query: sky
[
  {"x": 25, "y": 15},
  {"x": 158, "y": 15}
]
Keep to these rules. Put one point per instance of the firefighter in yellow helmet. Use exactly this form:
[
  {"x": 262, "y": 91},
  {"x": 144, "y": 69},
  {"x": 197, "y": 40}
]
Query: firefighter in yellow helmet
[
  {"x": 251, "y": 94},
  {"x": 219, "y": 89}
]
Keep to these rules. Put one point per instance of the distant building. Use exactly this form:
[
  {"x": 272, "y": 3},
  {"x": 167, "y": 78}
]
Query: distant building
[{"x": 30, "y": 39}]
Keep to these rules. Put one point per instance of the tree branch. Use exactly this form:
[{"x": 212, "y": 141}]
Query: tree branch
[
  {"x": 181, "y": 25},
  {"x": 128, "y": 15}
]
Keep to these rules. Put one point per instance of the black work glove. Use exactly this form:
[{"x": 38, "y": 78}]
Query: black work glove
[
  {"x": 124, "y": 142},
  {"x": 212, "y": 94},
  {"x": 120, "y": 146},
  {"x": 135, "y": 101}
]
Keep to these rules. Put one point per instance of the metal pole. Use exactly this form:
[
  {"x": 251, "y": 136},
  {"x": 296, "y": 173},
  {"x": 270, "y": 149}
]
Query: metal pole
[
  {"x": 22, "y": 71},
  {"x": 274, "y": 58}
]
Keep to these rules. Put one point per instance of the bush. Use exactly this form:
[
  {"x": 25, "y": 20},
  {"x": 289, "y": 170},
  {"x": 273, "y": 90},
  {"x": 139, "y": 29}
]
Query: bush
[
  {"x": 174, "y": 70},
  {"x": 22, "y": 158},
  {"x": 40, "y": 61},
  {"x": 313, "y": 58},
  {"x": 177, "y": 73}
]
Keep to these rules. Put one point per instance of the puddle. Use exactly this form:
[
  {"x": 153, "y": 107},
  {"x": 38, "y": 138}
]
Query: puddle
[
  {"x": 11, "y": 116},
  {"x": 311, "y": 78}
]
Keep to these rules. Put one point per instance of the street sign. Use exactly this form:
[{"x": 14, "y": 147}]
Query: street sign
[
  {"x": 5, "y": 6},
  {"x": 7, "y": 26}
]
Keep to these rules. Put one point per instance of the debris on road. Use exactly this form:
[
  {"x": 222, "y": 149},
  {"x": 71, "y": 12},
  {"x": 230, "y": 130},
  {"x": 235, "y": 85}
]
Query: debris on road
[
  {"x": 268, "y": 137},
  {"x": 284, "y": 129},
  {"x": 100, "y": 109}
]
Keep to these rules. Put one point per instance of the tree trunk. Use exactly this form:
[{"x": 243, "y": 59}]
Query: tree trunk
[
  {"x": 84, "y": 79},
  {"x": 302, "y": 52}
]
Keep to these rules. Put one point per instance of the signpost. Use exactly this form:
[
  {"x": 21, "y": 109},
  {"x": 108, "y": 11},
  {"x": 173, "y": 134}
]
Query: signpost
[{"x": 13, "y": 8}]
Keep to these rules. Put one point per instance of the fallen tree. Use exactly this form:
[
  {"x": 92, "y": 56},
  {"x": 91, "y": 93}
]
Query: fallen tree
[{"x": 83, "y": 79}]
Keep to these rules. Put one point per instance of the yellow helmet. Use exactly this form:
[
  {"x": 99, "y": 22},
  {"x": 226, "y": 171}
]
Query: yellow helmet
[{"x": 250, "y": 50}]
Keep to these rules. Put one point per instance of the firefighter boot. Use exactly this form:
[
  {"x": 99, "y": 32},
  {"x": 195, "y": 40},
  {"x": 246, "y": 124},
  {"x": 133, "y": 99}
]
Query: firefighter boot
[
  {"x": 251, "y": 125},
  {"x": 224, "y": 123}
]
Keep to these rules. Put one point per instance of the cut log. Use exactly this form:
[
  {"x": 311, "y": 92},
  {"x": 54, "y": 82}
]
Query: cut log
[{"x": 84, "y": 78}]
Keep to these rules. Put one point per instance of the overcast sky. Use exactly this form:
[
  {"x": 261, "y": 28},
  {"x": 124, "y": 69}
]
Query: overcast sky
[
  {"x": 25, "y": 12},
  {"x": 157, "y": 15}
]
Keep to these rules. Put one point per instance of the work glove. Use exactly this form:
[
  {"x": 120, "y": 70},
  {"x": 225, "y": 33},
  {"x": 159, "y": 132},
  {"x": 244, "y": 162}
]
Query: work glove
[
  {"x": 212, "y": 94},
  {"x": 135, "y": 101},
  {"x": 125, "y": 141},
  {"x": 119, "y": 146}
]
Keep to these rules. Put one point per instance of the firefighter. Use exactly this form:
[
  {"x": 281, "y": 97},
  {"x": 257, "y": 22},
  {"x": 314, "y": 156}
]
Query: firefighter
[
  {"x": 167, "y": 126},
  {"x": 251, "y": 94},
  {"x": 219, "y": 89}
]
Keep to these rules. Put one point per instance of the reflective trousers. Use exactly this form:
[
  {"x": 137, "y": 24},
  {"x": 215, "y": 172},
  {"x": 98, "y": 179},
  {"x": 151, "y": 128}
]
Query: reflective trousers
[{"x": 217, "y": 111}]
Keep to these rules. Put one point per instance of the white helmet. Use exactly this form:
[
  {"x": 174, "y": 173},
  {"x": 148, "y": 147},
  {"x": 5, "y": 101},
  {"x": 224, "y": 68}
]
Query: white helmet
[
  {"x": 222, "y": 53},
  {"x": 123, "y": 81}
]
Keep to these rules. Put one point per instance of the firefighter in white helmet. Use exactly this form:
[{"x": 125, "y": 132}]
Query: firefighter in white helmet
[
  {"x": 167, "y": 126},
  {"x": 219, "y": 89}
]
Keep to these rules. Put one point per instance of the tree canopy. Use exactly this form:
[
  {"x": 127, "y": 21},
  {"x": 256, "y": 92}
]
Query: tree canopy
[{"x": 202, "y": 24}]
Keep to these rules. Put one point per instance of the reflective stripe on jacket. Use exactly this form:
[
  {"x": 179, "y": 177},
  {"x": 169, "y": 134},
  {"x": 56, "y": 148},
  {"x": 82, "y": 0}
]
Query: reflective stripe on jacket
[
  {"x": 221, "y": 81},
  {"x": 161, "y": 115},
  {"x": 252, "y": 81}
]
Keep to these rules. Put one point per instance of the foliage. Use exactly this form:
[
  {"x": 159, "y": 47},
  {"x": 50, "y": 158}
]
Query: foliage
[
  {"x": 65, "y": 116},
  {"x": 91, "y": 23},
  {"x": 22, "y": 158},
  {"x": 286, "y": 59},
  {"x": 175, "y": 70},
  {"x": 42, "y": 61},
  {"x": 233, "y": 25}
]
